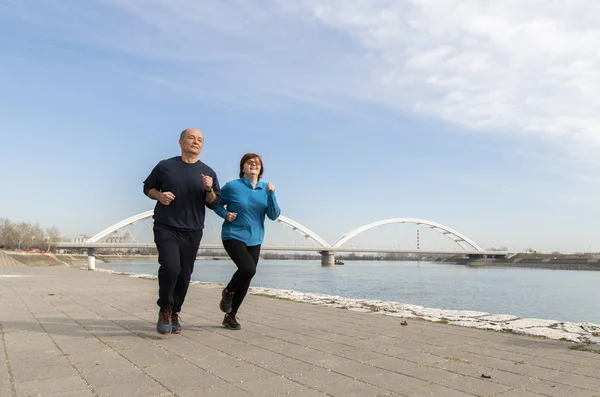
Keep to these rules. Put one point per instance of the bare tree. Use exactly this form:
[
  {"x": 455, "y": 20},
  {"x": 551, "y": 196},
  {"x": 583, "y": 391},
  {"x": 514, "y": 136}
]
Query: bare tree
[
  {"x": 52, "y": 237},
  {"x": 26, "y": 235},
  {"x": 7, "y": 234}
]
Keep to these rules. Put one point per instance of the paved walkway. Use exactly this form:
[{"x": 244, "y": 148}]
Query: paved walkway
[{"x": 72, "y": 332}]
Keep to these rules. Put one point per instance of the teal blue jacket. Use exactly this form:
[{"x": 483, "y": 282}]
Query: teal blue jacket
[{"x": 251, "y": 205}]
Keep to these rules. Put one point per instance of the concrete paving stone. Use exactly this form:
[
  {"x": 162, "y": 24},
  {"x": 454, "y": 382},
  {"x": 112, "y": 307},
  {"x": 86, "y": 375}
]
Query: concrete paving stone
[
  {"x": 518, "y": 393},
  {"x": 421, "y": 358},
  {"x": 507, "y": 378},
  {"x": 331, "y": 362},
  {"x": 240, "y": 373},
  {"x": 305, "y": 392},
  {"x": 272, "y": 386},
  {"x": 103, "y": 355},
  {"x": 557, "y": 390},
  {"x": 274, "y": 345},
  {"x": 61, "y": 369},
  {"x": 287, "y": 366},
  {"x": 225, "y": 345},
  {"x": 582, "y": 381},
  {"x": 392, "y": 350},
  {"x": 326, "y": 346},
  {"x": 359, "y": 370},
  {"x": 458, "y": 366},
  {"x": 6, "y": 391},
  {"x": 352, "y": 388},
  {"x": 148, "y": 355},
  {"x": 75, "y": 393},
  {"x": 498, "y": 354},
  {"x": 5, "y": 379},
  {"x": 360, "y": 355},
  {"x": 49, "y": 386},
  {"x": 483, "y": 361},
  {"x": 33, "y": 353},
  {"x": 592, "y": 371},
  {"x": 219, "y": 363},
  {"x": 146, "y": 389},
  {"x": 347, "y": 339},
  {"x": 575, "y": 357},
  {"x": 200, "y": 354},
  {"x": 255, "y": 338},
  {"x": 107, "y": 377},
  {"x": 220, "y": 390},
  {"x": 180, "y": 370},
  {"x": 316, "y": 378},
  {"x": 391, "y": 364},
  {"x": 300, "y": 352},
  {"x": 394, "y": 381},
  {"x": 259, "y": 356},
  {"x": 436, "y": 391},
  {"x": 75, "y": 347},
  {"x": 477, "y": 386},
  {"x": 531, "y": 370},
  {"x": 563, "y": 366},
  {"x": 41, "y": 342},
  {"x": 430, "y": 374},
  {"x": 95, "y": 367},
  {"x": 134, "y": 342}
]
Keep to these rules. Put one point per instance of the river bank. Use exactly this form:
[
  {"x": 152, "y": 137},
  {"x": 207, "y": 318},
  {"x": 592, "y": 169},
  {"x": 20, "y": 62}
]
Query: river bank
[
  {"x": 48, "y": 259},
  {"x": 558, "y": 262},
  {"x": 536, "y": 263}
]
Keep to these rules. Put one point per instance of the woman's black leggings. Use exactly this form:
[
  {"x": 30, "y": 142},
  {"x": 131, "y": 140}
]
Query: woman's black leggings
[{"x": 246, "y": 259}]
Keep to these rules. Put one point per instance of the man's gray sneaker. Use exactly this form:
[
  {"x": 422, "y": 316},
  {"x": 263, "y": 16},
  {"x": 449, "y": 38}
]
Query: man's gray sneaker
[
  {"x": 163, "y": 326},
  {"x": 175, "y": 324}
]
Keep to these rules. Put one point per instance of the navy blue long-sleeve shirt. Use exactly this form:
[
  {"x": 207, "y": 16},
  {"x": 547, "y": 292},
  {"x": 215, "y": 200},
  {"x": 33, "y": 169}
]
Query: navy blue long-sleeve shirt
[{"x": 184, "y": 180}]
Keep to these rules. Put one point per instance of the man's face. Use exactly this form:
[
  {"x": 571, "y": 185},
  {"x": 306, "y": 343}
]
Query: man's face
[{"x": 192, "y": 142}]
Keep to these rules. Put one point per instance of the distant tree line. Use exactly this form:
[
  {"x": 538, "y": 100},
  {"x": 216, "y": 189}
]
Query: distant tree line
[{"x": 27, "y": 236}]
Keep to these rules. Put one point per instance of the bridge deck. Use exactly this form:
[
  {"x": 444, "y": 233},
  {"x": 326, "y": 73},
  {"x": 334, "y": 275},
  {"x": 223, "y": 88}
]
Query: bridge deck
[
  {"x": 70, "y": 332},
  {"x": 293, "y": 248}
]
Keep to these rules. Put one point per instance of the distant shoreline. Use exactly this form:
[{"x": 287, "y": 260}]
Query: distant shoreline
[{"x": 45, "y": 259}]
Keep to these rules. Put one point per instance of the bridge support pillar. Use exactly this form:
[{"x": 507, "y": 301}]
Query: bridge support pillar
[
  {"x": 91, "y": 259},
  {"x": 327, "y": 258}
]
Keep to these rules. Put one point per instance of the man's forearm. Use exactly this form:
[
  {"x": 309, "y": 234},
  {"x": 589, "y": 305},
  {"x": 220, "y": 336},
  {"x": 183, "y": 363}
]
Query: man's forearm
[
  {"x": 210, "y": 197},
  {"x": 153, "y": 194}
]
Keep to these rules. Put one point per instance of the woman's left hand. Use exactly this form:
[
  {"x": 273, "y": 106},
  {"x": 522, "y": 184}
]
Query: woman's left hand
[{"x": 270, "y": 187}]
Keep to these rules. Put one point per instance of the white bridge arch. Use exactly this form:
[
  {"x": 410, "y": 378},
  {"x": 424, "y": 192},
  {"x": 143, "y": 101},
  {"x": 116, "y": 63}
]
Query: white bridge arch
[
  {"x": 148, "y": 214},
  {"x": 463, "y": 241}
]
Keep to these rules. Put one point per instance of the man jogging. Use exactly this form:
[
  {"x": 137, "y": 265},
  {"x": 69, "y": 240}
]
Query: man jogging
[{"x": 182, "y": 186}]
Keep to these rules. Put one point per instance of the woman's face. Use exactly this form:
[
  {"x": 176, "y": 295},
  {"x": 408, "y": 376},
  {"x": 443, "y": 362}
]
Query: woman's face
[{"x": 252, "y": 167}]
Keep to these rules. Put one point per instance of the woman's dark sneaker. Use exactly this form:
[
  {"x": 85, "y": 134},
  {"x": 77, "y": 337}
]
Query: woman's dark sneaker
[
  {"x": 231, "y": 323},
  {"x": 226, "y": 299}
]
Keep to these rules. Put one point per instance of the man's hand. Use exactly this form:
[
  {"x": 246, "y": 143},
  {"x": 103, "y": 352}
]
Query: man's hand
[
  {"x": 230, "y": 216},
  {"x": 165, "y": 198},
  {"x": 207, "y": 181},
  {"x": 270, "y": 187}
]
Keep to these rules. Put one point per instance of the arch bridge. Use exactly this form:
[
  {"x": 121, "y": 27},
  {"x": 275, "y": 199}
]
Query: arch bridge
[{"x": 466, "y": 246}]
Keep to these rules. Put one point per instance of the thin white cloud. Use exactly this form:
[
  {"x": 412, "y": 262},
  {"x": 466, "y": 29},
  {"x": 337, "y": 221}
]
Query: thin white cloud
[
  {"x": 511, "y": 66},
  {"x": 491, "y": 66}
]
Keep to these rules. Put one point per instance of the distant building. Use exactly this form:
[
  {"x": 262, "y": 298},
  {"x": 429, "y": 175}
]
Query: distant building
[{"x": 80, "y": 238}]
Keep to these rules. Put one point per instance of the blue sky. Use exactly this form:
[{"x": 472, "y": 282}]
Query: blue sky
[{"x": 482, "y": 117}]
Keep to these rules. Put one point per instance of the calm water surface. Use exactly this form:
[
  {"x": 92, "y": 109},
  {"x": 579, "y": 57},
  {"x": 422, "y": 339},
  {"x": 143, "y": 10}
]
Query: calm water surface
[{"x": 564, "y": 295}]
